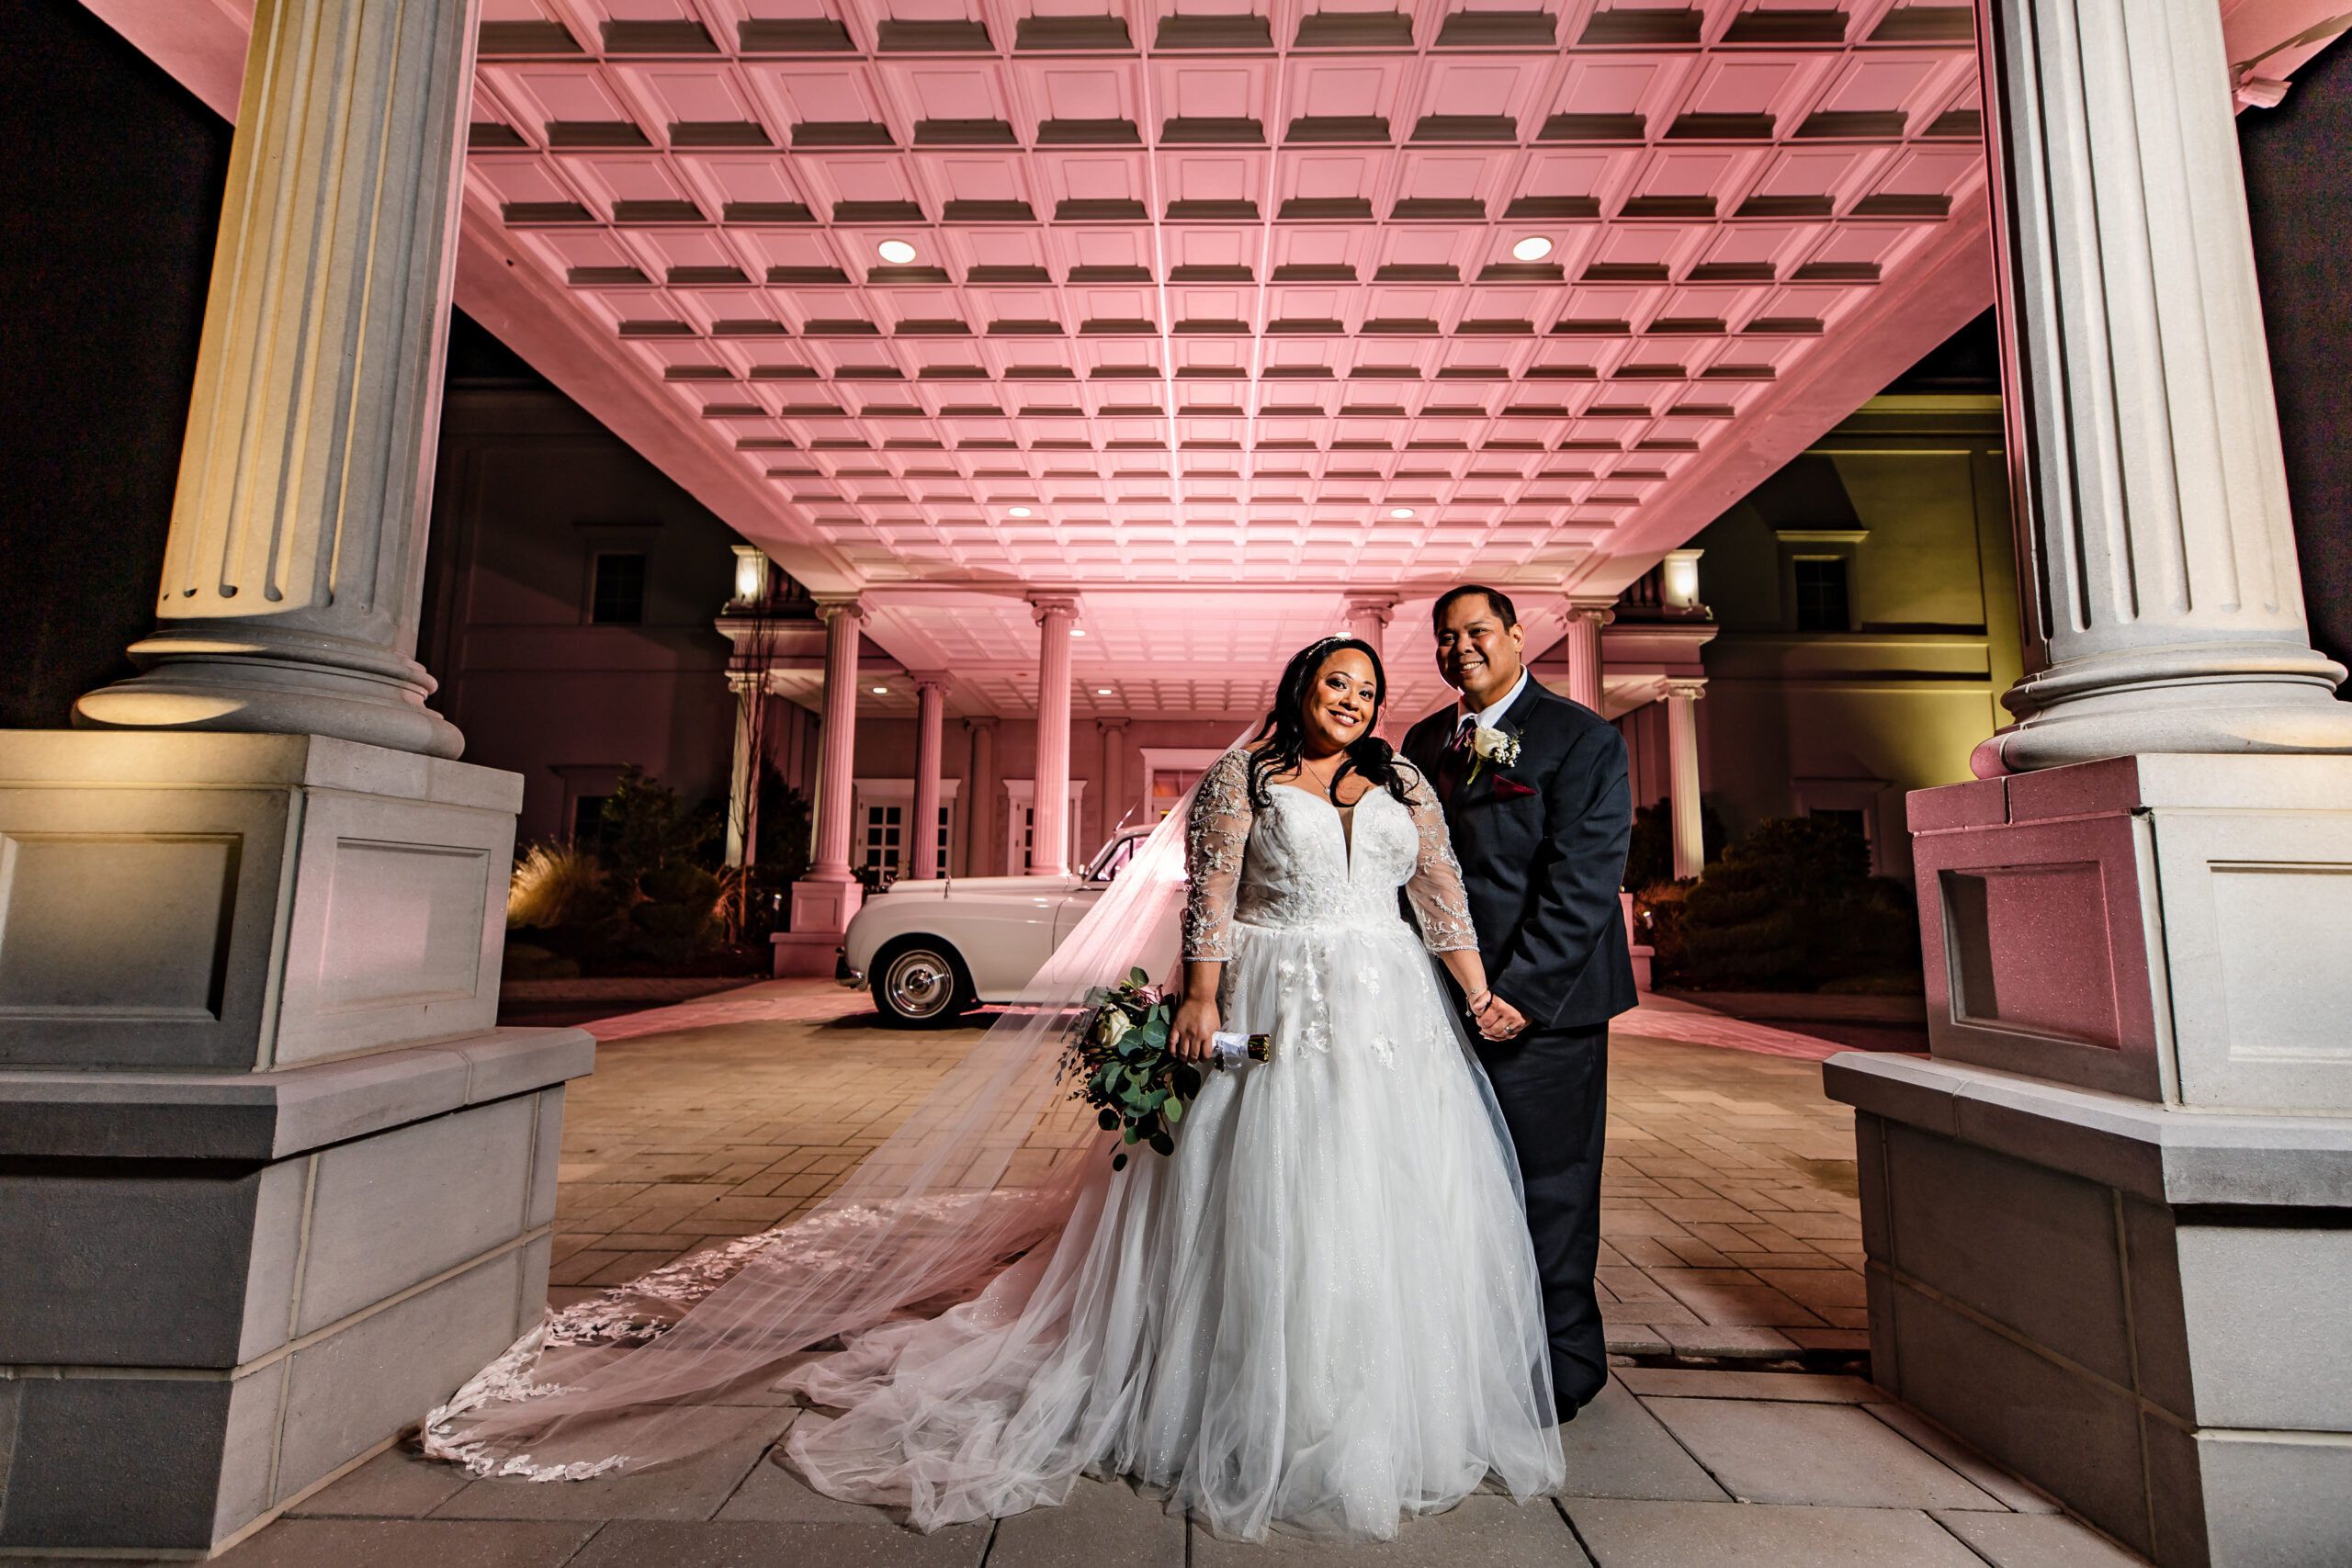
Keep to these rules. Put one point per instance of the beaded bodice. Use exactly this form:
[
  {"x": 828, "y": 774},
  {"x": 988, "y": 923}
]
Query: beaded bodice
[{"x": 1294, "y": 862}]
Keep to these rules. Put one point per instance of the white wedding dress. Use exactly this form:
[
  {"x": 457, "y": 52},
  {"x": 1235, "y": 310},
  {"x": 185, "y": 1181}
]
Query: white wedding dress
[{"x": 1320, "y": 1313}]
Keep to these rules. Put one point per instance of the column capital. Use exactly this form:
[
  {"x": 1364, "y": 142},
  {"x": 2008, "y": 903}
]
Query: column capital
[
  {"x": 1045, "y": 609},
  {"x": 981, "y": 721},
  {"x": 743, "y": 682},
  {"x": 1690, "y": 689},
  {"x": 1110, "y": 724},
  {"x": 828, "y": 608},
  {"x": 1382, "y": 605},
  {"x": 938, "y": 681},
  {"x": 1600, "y": 612}
]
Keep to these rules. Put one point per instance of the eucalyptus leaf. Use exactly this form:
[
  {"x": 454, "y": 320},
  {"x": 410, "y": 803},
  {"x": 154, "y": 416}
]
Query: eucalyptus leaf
[
  {"x": 1163, "y": 1143},
  {"x": 1173, "y": 1110},
  {"x": 1118, "y": 1162}
]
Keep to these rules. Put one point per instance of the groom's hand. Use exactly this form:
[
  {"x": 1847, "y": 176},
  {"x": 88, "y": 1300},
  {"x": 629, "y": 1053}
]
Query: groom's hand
[{"x": 1497, "y": 1019}]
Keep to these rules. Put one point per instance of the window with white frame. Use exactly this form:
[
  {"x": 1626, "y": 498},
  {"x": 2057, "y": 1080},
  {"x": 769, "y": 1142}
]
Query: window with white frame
[{"x": 885, "y": 819}]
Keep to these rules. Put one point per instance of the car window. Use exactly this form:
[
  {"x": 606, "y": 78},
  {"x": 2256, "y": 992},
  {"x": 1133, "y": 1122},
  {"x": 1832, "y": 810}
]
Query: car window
[{"x": 1113, "y": 860}]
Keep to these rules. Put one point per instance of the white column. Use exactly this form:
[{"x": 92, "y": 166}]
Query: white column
[
  {"x": 295, "y": 565},
  {"x": 981, "y": 794},
  {"x": 742, "y": 783},
  {"x": 1111, "y": 797},
  {"x": 1682, "y": 776},
  {"x": 837, "y": 752},
  {"x": 2163, "y": 607},
  {"x": 1049, "y": 844},
  {"x": 1586, "y": 617},
  {"x": 1367, "y": 619},
  {"x": 931, "y": 704}
]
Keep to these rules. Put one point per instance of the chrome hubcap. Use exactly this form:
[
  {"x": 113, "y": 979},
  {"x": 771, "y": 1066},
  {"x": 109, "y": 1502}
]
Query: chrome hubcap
[{"x": 920, "y": 984}]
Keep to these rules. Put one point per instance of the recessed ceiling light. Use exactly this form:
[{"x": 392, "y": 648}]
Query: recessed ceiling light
[
  {"x": 897, "y": 252},
  {"x": 1016, "y": 512},
  {"x": 1077, "y": 631},
  {"x": 881, "y": 690},
  {"x": 1102, "y": 690},
  {"x": 1400, "y": 512},
  {"x": 1535, "y": 248}
]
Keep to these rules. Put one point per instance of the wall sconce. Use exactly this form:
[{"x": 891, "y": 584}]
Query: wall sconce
[{"x": 1679, "y": 585}]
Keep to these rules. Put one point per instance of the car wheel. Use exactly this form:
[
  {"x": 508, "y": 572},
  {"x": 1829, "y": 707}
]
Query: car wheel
[{"x": 920, "y": 981}]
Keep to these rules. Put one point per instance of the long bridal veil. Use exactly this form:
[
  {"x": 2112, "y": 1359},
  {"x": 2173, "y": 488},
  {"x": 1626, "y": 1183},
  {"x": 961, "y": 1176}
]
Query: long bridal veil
[{"x": 985, "y": 1168}]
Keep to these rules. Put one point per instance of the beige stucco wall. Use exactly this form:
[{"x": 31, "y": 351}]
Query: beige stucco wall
[{"x": 1853, "y": 720}]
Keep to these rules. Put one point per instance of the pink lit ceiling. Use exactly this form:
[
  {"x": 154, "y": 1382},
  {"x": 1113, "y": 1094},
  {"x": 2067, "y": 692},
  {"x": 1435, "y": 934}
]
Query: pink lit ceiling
[{"x": 1211, "y": 312}]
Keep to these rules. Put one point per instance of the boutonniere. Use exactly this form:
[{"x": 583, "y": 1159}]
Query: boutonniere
[{"x": 1499, "y": 747}]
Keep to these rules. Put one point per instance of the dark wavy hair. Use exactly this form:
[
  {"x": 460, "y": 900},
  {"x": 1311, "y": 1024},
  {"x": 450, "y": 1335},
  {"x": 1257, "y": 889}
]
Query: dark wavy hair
[{"x": 1285, "y": 727}]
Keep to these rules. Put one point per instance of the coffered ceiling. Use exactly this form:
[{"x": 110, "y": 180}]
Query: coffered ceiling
[{"x": 1214, "y": 302}]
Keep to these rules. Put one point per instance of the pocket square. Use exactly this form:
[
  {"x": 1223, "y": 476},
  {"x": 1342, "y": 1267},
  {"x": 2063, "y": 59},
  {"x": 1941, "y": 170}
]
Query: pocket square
[{"x": 1511, "y": 789}]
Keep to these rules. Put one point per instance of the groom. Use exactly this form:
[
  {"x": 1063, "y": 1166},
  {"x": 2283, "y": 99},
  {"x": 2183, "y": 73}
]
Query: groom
[{"x": 1536, "y": 798}]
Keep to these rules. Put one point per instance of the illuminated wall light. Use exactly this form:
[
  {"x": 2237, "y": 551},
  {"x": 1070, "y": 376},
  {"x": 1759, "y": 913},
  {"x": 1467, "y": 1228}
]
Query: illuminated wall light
[
  {"x": 1679, "y": 580},
  {"x": 897, "y": 252},
  {"x": 1533, "y": 248}
]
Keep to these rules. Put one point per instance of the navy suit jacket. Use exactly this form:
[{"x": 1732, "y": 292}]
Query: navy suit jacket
[{"x": 1542, "y": 844}]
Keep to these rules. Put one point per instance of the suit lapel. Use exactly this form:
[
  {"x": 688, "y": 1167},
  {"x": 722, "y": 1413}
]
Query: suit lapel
[{"x": 1511, "y": 721}]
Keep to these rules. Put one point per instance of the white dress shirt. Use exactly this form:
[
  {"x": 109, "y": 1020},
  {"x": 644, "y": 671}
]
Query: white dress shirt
[{"x": 1491, "y": 715}]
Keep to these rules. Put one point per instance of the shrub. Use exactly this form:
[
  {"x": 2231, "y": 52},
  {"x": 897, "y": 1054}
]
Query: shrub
[
  {"x": 554, "y": 885},
  {"x": 653, "y": 844},
  {"x": 1649, "y": 857},
  {"x": 1794, "y": 904}
]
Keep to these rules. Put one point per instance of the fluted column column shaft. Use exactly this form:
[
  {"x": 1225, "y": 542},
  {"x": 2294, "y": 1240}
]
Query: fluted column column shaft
[
  {"x": 2157, "y": 572},
  {"x": 930, "y": 706},
  {"x": 294, "y": 570},
  {"x": 1050, "y": 840},
  {"x": 742, "y": 785},
  {"x": 837, "y": 755},
  {"x": 1682, "y": 776},
  {"x": 1585, "y": 622},
  {"x": 981, "y": 837},
  {"x": 1367, "y": 620}
]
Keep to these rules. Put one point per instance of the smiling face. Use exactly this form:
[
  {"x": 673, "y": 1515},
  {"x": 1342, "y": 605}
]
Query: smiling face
[
  {"x": 1340, "y": 700},
  {"x": 1477, "y": 653}
]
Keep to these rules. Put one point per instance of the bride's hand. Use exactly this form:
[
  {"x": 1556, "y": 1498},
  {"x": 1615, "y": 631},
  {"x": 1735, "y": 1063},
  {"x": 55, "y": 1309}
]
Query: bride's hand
[{"x": 1189, "y": 1030}]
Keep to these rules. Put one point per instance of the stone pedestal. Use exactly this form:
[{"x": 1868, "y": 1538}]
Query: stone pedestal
[
  {"x": 271, "y": 1182},
  {"x": 2147, "y": 1312},
  {"x": 820, "y": 917},
  {"x": 2110, "y": 1223}
]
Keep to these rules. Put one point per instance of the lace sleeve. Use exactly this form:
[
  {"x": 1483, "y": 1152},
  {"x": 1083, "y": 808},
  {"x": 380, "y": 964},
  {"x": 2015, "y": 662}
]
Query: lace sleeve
[
  {"x": 1435, "y": 889},
  {"x": 1215, "y": 836}
]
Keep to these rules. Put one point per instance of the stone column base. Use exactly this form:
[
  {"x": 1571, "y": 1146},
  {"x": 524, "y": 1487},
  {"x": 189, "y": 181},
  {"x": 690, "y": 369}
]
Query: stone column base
[
  {"x": 222, "y": 1289},
  {"x": 820, "y": 917},
  {"x": 2147, "y": 1312}
]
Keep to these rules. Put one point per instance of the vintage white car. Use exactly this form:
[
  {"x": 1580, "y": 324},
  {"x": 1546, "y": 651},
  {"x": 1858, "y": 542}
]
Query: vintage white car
[{"x": 931, "y": 950}]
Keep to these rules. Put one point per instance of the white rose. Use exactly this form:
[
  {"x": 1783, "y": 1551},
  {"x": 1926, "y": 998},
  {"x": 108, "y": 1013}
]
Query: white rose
[
  {"x": 1113, "y": 1025},
  {"x": 1495, "y": 746}
]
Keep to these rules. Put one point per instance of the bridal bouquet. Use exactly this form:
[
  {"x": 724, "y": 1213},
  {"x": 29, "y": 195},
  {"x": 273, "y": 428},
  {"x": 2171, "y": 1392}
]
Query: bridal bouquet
[{"x": 1118, "y": 1052}]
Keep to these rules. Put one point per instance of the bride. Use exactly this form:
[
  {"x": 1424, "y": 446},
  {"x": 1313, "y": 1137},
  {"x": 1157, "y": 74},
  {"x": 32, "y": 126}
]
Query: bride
[{"x": 1321, "y": 1310}]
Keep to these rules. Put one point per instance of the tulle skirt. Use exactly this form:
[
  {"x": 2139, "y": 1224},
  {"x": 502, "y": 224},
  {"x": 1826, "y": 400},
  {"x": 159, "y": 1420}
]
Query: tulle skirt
[{"x": 1320, "y": 1313}]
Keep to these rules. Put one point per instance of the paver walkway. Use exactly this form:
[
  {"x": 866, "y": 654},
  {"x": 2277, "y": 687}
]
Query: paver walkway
[
  {"x": 1732, "y": 1233},
  {"x": 1729, "y": 1217}
]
